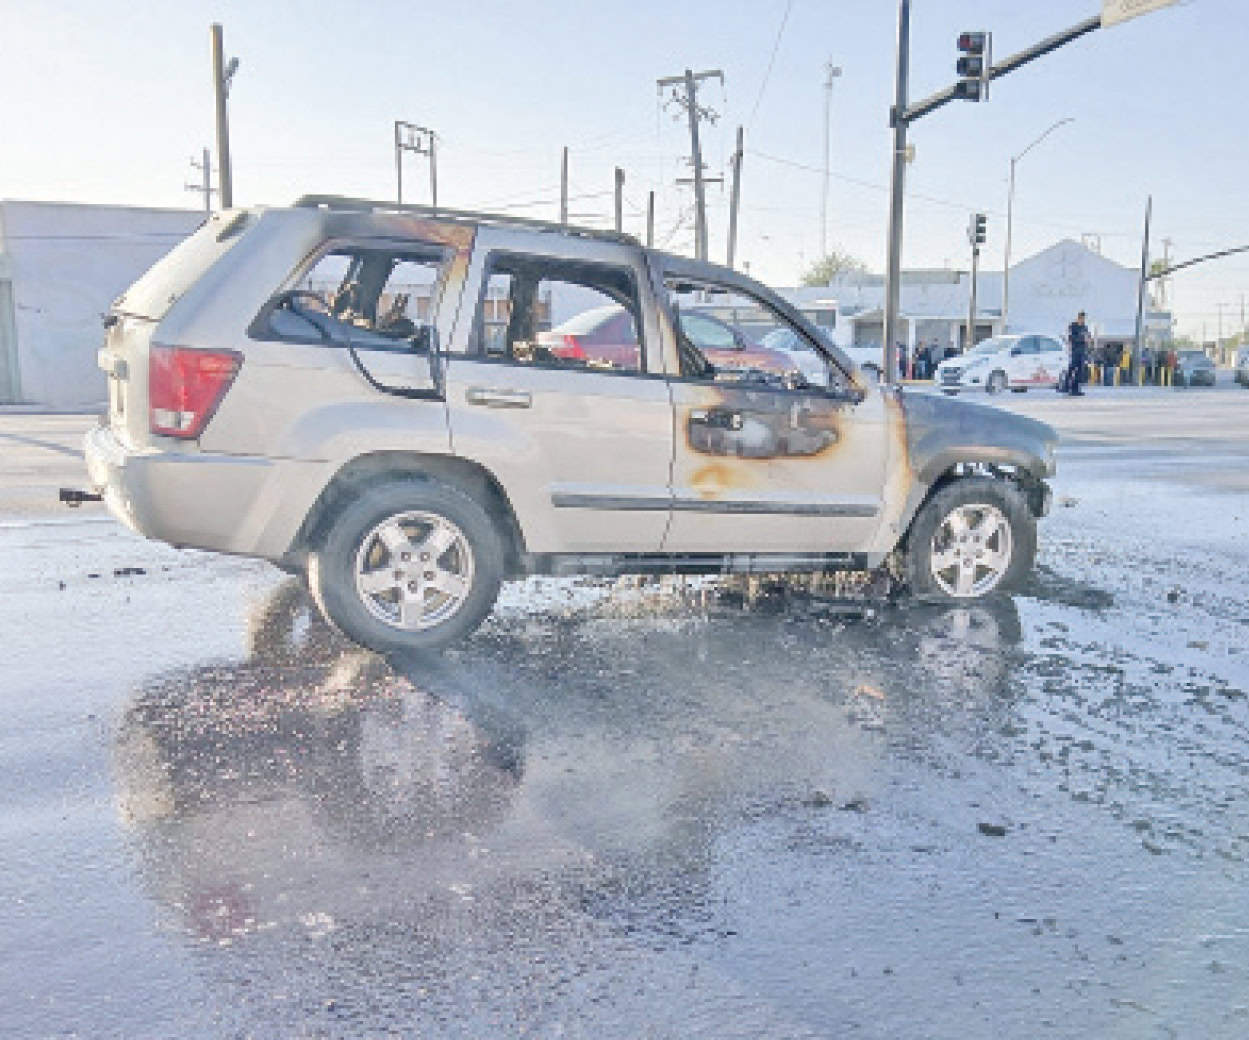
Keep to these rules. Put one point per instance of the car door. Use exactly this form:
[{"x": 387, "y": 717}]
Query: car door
[
  {"x": 581, "y": 445},
  {"x": 1051, "y": 360},
  {"x": 765, "y": 463},
  {"x": 1018, "y": 362}
]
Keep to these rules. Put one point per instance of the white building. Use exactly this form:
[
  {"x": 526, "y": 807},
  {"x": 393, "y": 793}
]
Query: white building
[
  {"x": 1047, "y": 290},
  {"x": 61, "y": 265}
]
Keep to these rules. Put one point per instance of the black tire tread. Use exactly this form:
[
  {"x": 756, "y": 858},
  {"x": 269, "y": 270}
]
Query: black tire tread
[{"x": 330, "y": 571}]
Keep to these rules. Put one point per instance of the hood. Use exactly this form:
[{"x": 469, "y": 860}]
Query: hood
[{"x": 941, "y": 431}]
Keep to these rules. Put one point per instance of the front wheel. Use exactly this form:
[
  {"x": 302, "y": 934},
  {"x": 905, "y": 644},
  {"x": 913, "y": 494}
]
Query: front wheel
[
  {"x": 974, "y": 537},
  {"x": 408, "y": 565},
  {"x": 996, "y": 383}
]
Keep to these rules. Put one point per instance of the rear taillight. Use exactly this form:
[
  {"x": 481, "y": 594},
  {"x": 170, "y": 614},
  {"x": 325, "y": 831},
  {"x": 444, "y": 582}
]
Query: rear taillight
[{"x": 184, "y": 387}]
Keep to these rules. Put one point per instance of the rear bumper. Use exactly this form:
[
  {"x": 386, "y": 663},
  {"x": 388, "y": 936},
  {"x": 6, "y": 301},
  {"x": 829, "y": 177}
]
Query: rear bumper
[{"x": 227, "y": 503}]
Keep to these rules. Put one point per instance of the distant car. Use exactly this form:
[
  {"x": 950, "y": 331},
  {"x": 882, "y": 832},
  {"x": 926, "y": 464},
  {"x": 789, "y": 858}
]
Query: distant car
[
  {"x": 803, "y": 357},
  {"x": 606, "y": 337},
  {"x": 602, "y": 337},
  {"x": 1015, "y": 362},
  {"x": 1193, "y": 368},
  {"x": 726, "y": 346},
  {"x": 1242, "y": 367}
]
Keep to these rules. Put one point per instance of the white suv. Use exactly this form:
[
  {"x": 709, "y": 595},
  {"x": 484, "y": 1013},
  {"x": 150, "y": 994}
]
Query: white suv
[
  {"x": 370, "y": 394},
  {"x": 1016, "y": 363}
]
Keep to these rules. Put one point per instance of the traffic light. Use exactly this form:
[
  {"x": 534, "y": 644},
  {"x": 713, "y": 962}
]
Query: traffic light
[
  {"x": 975, "y": 230},
  {"x": 973, "y": 67}
]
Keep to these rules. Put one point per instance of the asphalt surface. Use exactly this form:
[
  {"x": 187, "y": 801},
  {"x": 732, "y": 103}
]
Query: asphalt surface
[{"x": 641, "y": 809}]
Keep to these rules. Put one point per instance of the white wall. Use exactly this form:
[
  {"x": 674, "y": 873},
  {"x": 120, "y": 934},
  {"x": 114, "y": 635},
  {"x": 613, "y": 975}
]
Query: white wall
[{"x": 67, "y": 262}]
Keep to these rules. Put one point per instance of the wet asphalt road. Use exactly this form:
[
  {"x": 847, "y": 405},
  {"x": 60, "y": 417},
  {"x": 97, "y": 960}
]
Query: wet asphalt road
[{"x": 623, "y": 810}]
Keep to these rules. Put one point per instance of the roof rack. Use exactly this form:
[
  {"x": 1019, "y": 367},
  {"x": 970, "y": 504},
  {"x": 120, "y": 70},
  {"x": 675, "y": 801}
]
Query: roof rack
[{"x": 343, "y": 202}]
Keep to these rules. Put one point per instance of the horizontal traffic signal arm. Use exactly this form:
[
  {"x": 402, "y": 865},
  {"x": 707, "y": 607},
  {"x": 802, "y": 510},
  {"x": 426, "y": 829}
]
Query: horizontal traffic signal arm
[{"x": 1001, "y": 68}]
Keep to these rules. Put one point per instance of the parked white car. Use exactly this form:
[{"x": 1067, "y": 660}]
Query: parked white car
[{"x": 1016, "y": 362}]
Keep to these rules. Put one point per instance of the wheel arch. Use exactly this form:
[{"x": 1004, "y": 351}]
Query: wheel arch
[
  {"x": 953, "y": 468},
  {"x": 470, "y": 477}
]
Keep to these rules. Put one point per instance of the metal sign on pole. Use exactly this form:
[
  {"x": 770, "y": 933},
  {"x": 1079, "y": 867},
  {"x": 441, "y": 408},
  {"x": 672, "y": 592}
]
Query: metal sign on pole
[
  {"x": 1116, "y": 11},
  {"x": 419, "y": 139}
]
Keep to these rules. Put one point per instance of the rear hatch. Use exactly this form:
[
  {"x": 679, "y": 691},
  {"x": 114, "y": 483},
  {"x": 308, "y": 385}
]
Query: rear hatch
[{"x": 134, "y": 316}]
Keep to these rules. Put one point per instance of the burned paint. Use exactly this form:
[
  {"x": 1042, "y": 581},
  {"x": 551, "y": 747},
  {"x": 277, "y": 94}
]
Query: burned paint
[
  {"x": 711, "y": 481},
  {"x": 763, "y": 424},
  {"x": 447, "y": 233}
]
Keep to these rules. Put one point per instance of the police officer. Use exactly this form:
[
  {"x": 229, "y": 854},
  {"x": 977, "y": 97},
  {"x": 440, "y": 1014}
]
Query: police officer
[{"x": 1078, "y": 337}]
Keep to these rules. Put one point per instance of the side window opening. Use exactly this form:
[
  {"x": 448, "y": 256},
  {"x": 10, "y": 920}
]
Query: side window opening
[
  {"x": 560, "y": 313},
  {"x": 726, "y": 336},
  {"x": 365, "y": 296}
]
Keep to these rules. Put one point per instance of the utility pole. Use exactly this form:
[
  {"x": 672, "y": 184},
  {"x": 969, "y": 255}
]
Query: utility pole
[
  {"x": 205, "y": 185},
  {"x": 735, "y": 195},
  {"x": 419, "y": 139},
  {"x": 689, "y": 100},
  {"x": 1166, "y": 262},
  {"x": 620, "y": 178},
  {"x": 650, "y": 219},
  {"x": 832, "y": 72},
  {"x": 223, "y": 73},
  {"x": 563, "y": 187},
  {"x": 1140, "y": 291}
]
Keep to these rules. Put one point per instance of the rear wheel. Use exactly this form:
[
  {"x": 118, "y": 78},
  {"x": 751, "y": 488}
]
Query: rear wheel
[
  {"x": 974, "y": 537},
  {"x": 996, "y": 382},
  {"x": 408, "y": 565}
]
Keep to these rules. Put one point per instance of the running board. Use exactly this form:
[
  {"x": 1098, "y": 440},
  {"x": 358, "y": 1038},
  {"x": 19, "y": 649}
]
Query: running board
[{"x": 693, "y": 563}]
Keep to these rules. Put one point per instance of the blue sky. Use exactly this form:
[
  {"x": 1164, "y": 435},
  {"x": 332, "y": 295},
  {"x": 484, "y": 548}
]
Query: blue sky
[{"x": 107, "y": 101}]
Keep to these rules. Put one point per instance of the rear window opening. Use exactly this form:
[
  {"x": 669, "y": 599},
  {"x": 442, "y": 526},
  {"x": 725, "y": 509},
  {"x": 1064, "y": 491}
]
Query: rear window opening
[{"x": 362, "y": 296}]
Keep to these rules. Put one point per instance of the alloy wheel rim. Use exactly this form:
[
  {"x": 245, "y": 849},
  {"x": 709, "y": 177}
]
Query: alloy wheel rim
[
  {"x": 971, "y": 550},
  {"x": 414, "y": 570}
]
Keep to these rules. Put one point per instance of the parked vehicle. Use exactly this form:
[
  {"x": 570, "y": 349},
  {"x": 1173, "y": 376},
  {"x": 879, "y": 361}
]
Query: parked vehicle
[
  {"x": 606, "y": 337},
  {"x": 359, "y": 392},
  {"x": 803, "y": 358},
  {"x": 1193, "y": 368},
  {"x": 1015, "y": 362},
  {"x": 1242, "y": 367}
]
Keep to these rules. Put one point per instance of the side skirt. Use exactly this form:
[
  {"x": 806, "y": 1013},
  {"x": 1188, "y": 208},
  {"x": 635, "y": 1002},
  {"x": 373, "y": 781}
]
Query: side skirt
[{"x": 610, "y": 564}]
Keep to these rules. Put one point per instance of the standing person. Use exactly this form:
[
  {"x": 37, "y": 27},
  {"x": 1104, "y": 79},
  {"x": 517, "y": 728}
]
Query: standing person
[{"x": 1078, "y": 336}]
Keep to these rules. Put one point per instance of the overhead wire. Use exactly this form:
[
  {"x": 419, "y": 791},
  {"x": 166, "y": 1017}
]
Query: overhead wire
[{"x": 776, "y": 46}]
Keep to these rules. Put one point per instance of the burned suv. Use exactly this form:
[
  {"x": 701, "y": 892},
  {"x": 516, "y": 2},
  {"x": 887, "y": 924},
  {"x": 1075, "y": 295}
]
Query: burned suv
[{"x": 372, "y": 395}]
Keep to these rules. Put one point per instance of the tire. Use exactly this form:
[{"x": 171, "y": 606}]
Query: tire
[
  {"x": 1018, "y": 389},
  {"x": 996, "y": 509},
  {"x": 411, "y": 564},
  {"x": 996, "y": 382}
]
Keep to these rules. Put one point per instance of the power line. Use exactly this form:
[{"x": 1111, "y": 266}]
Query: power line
[{"x": 776, "y": 46}]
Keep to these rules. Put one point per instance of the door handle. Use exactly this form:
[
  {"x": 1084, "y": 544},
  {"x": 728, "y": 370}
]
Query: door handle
[{"x": 492, "y": 398}]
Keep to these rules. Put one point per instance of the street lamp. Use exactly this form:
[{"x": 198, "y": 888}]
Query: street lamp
[
  {"x": 833, "y": 71},
  {"x": 1010, "y": 203}
]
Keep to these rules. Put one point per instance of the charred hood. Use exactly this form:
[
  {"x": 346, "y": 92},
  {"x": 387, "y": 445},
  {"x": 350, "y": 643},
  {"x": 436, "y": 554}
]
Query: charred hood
[{"x": 943, "y": 431}]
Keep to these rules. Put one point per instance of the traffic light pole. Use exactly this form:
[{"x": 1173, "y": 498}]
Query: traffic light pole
[
  {"x": 971, "y": 307},
  {"x": 901, "y": 116},
  {"x": 893, "y": 270}
]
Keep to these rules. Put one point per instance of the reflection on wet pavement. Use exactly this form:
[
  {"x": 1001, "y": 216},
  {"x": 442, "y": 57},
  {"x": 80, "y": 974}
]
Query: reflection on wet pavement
[{"x": 593, "y": 818}]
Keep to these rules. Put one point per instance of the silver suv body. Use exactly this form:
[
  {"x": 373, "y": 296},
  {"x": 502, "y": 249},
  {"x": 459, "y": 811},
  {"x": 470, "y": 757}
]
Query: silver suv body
[{"x": 372, "y": 394}]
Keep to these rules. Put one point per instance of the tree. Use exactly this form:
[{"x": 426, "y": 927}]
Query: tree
[{"x": 829, "y": 267}]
